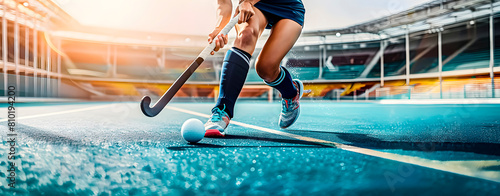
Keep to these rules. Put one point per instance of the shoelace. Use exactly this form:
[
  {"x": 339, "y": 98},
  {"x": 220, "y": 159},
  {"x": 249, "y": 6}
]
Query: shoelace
[
  {"x": 287, "y": 105},
  {"x": 217, "y": 114}
]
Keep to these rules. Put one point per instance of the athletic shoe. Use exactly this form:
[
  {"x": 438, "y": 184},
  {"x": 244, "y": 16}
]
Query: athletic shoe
[
  {"x": 290, "y": 107},
  {"x": 217, "y": 123}
]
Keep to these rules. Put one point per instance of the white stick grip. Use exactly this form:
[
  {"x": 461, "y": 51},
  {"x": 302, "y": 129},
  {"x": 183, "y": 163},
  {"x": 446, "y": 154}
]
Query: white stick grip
[{"x": 204, "y": 54}]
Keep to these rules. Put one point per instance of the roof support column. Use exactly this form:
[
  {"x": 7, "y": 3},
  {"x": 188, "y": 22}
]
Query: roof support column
[{"x": 407, "y": 50}]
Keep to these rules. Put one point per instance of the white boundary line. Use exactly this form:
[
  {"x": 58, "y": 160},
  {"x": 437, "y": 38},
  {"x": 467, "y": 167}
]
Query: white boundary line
[
  {"x": 461, "y": 168},
  {"x": 4, "y": 99},
  {"x": 440, "y": 101},
  {"x": 61, "y": 112}
]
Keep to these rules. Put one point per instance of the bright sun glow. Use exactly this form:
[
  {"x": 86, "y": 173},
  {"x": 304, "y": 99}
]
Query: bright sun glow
[{"x": 197, "y": 17}]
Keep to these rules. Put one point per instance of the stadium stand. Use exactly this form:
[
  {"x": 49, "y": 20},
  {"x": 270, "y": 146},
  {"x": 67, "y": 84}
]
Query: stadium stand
[{"x": 58, "y": 56}]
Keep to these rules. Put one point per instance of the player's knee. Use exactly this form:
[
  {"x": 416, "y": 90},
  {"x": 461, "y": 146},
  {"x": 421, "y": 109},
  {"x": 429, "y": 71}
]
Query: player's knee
[
  {"x": 247, "y": 37},
  {"x": 267, "y": 72}
]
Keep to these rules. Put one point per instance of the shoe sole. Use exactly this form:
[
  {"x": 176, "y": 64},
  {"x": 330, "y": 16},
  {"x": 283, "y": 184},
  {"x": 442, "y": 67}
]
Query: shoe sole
[
  {"x": 301, "y": 91},
  {"x": 214, "y": 133}
]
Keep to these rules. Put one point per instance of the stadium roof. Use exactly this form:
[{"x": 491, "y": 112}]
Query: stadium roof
[
  {"x": 431, "y": 15},
  {"x": 424, "y": 14},
  {"x": 197, "y": 17}
]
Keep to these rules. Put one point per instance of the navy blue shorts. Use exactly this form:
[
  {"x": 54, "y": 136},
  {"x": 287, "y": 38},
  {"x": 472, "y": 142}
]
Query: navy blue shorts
[{"x": 275, "y": 10}]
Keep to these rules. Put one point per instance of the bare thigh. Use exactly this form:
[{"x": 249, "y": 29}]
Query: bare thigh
[
  {"x": 250, "y": 31},
  {"x": 283, "y": 36}
]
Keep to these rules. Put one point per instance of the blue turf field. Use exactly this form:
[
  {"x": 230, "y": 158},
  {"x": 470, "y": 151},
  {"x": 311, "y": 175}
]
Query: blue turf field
[{"x": 334, "y": 148}]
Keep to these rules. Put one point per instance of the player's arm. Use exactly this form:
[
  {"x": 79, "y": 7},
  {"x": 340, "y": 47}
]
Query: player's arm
[
  {"x": 245, "y": 9},
  {"x": 224, "y": 10}
]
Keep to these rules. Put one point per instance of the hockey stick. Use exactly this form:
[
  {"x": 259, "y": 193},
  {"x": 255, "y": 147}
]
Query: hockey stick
[{"x": 163, "y": 101}]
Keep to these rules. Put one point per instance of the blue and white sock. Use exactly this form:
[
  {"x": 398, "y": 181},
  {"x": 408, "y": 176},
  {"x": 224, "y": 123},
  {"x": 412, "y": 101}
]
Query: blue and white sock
[
  {"x": 233, "y": 75},
  {"x": 284, "y": 84}
]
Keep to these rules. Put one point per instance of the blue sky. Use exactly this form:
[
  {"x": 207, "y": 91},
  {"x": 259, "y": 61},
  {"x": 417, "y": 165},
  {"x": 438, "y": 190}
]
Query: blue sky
[{"x": 197, "y": 17}]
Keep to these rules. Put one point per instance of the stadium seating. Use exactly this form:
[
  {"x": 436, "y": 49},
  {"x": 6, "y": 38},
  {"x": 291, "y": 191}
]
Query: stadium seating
[
  {"x": 390, "y": 69},
  {"x": 253, "y": 76},
  {"x": 343, "y": 72},
  {"x": 471, "y": 60},
  {"x": 304, "y": 73},
  {"x": 343, "y": 63}
]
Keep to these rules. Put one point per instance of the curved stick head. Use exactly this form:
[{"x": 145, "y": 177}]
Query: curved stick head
[{"x": 145, "y": 107}]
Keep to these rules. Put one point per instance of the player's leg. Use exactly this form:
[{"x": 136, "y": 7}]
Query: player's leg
[
  {"x": 283, "y": 36},
  {"x": 234, "y": 72}
]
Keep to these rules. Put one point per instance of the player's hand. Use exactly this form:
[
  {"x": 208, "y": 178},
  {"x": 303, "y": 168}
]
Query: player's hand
[
  {"x": 245, "y": 9},
  {"x": 220, "y": 40}
]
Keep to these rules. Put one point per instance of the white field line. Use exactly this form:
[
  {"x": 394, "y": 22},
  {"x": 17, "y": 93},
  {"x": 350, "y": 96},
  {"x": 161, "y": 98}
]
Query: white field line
[
  {"x": 440, "y": 101},
  {"x": 61, "y": 112},
  {"x": 457, "y": 167}
]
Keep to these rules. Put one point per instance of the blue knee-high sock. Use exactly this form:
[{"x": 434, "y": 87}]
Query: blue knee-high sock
[
  {"x": 233, "y": 75},
  {"x": 284, "y": 84}
]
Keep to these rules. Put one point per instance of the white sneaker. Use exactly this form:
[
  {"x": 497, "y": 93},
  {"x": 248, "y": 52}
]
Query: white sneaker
[
  {"x": 217, "y": 123},
  {"x": 290, "y": 107}
]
